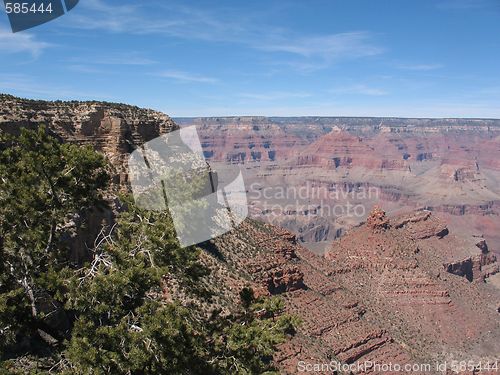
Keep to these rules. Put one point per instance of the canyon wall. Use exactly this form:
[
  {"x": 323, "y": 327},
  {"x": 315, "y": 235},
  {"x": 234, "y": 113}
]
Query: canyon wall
[
  {"x": 111, "y": 128},
  {"x": 448, "y": 166}
]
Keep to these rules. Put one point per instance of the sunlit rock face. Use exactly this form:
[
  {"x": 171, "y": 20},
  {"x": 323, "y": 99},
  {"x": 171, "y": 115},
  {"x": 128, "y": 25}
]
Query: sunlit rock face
[
  {"x": 448, "y": 166},
  {"x": 112, "y": 128}
]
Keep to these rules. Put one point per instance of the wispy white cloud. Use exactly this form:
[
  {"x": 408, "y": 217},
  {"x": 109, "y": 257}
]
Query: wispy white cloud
[
  {"x": 310, "y": 52},
  {"x": 420, "y": 67},
  {"x": 329, "y": 47},
  {"x": 275, "y": 95},
  {"x": 97, "y": 15},
  {"x": 128, "y": 59},
  {"x": 112, "y": 58},
  {"x": 20, "y": 42},
  {"x": 186, "y": 77},
  {"x": 143, "y": 18},
  {"x": 82, "y": 68},
  {"x": 359, "y": 89},
  {"x": 107, "y": 64}
]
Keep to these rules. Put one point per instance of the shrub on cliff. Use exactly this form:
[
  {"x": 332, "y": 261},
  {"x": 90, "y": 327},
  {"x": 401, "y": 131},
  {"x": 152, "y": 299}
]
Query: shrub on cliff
[
  {"x": 106, "y": 316},
  {"x": 43, "y": 183}
]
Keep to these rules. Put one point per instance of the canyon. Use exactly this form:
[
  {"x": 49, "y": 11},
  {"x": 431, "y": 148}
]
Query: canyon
[
  {"x": 334, "y": 169},
  {"x": 413, "y": 278}
]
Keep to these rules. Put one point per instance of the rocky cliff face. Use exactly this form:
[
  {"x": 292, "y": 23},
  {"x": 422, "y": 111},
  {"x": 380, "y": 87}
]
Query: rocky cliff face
[
  {"x": 333, "y": 324},
  {"x": 404, "y": 274},
  {"x": 111, "y": 128},
  {"x": 382, "y": 293}
]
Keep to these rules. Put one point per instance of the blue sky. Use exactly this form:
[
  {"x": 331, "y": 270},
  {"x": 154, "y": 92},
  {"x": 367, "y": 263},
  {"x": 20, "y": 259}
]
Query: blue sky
[{"x": 417, "y": 58}]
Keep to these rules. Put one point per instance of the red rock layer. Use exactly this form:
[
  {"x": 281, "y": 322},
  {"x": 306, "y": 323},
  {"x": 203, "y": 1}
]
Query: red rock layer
[
  {"x": 333, "y": 326},
  {"x": 399, "y": 274}
]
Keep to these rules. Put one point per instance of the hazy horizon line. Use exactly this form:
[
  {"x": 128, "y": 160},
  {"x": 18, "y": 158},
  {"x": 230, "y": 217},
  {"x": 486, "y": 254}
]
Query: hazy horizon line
[{"x": 256, "y": 115}]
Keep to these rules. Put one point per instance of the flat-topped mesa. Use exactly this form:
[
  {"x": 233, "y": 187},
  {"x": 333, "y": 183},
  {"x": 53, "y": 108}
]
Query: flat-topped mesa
[{"x": 111, "y": 128}]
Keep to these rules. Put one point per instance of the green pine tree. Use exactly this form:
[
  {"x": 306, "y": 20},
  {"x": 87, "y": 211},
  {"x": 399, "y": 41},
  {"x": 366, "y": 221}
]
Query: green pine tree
[{"x": 117, "y": 322}]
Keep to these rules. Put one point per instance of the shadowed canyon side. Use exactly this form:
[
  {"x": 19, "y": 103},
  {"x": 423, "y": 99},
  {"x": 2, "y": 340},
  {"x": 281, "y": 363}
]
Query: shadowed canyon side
[
  {"x": 400, "y": 288},
  {"x": 448, "y": 166}
]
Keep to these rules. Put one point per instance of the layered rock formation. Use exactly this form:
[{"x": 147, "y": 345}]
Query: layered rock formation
[
  {"x": 111, "y": 128},
  {"x": 449, "y": 166},
  {"x": 400, "y": 272},
  {"x": 333, "y": 325},
  {"x": 381, "y": 294}
]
